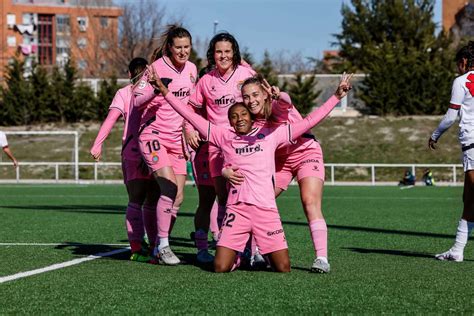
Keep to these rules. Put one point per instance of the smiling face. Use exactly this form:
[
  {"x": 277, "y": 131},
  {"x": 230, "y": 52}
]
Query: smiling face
[
  {"x": 240, "y": 119},
  {"x": 255, "y": 99},
  {"x": 223, "y": 54},
  {"x": 180, "y": 51}
]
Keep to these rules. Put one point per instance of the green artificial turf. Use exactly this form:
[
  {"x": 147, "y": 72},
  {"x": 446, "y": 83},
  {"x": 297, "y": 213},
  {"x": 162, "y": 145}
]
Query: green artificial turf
[{"x": 381, "y": 246}]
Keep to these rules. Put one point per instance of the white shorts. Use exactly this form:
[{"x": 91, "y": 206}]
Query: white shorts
[{"x": 468, "y": 159}]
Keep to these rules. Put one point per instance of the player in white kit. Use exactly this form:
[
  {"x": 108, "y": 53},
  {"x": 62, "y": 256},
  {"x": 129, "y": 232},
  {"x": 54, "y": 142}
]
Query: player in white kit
[{"x": 462, "y": 105}]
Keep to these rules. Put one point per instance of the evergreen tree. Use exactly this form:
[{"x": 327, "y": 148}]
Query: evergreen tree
[
  {"x": 302, "y": 92},
  {"x": 105, "y": 95},
  {"x": 409, "y": 68},
  {"x": 42, "y": 91},
  {"x": 267, "y": 70},
  {"x": 17, "y": 96}
]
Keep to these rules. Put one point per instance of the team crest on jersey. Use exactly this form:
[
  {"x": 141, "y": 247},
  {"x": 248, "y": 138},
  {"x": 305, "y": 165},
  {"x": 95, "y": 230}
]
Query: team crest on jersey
[
  {"x": 239, "y": 84},
  {"x": 260, "y": 136},
  {"x": 142, "y": 84},
  {"x": 154, "y": 157},
  {"x": 192, "y": 78}
]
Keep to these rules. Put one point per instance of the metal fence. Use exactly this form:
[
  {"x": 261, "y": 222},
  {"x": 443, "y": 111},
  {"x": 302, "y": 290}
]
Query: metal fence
[{"x": 98, "y": 168}]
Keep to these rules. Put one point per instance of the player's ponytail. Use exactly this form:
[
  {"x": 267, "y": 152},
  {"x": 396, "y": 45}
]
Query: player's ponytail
[
  {"x": 166, "y": 40},
  {"x": 136, "y": 67}
]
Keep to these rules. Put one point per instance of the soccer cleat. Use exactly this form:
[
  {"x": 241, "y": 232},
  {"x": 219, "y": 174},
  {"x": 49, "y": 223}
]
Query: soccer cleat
[
  {"x": 203, "y": 256},
  {"x": 167, "y": 257},
  {"x": 140, "y": 257},
  {"x": 320, "y": 266},
  {"x": 257, "y": 262},
  {"x": 450, "y": 256}
]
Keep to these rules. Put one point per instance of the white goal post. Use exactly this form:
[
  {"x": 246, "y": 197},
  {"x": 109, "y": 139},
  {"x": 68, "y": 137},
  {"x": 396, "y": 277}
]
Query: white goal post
[{"x": 76, "y": 146}]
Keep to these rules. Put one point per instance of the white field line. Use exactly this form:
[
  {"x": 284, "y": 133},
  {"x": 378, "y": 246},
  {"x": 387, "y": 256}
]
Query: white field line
[
  {"x": 279, "y": 198},
  {"x": 56, "y": 244},
  {"x": 59, "y": 265}
]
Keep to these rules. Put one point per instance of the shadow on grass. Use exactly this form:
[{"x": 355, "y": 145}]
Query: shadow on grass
[
  {"x": 96, "y": 209},
  {"x": 82, "y": 249},
  {"x": 377, "y": 230},
  {"x": 403, "y": 253}
]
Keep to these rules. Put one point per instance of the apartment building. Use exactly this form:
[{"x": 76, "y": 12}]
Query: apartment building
[{"x": 50, "y": 32}]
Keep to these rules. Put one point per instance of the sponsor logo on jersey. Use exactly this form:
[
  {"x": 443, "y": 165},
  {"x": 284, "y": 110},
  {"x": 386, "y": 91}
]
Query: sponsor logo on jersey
[
  {"x": 182, "y": 93},
  {"x": 142, "y": 84},
  {"x": 225, "y": 101},
  {"x": 248, "y": 150},
  {"x": 310, "y": 161},
  {"x": 275, "y": 232},
  {"x": 213, "y": 88}
]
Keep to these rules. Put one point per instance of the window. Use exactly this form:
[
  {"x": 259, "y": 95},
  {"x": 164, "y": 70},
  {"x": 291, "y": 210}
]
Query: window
[
  {"x": 82, "y": 42},
  {"x": 11, "y": 41},
  {"x": 103, "y": 44},
  {"x": 104, "y": 21},
  {"x": 11, "y": 20},
  {"x": 63, "y": 23},
  {"x": 45, "y": 39},
  {"x": 82, "y": 64},
  {"x": 29, "y": 18},
  {"x": 82, "y": 23}
]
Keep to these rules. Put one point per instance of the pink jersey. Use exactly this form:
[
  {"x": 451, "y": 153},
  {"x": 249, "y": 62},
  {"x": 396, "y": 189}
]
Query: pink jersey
[
  {"x": 216, "y": 93},
  {"x": 253, "y": 153},
  {"x": 122, "y": 103},
  {"x": 284, "y": 112},
  {"x": 167, "y": 122}
]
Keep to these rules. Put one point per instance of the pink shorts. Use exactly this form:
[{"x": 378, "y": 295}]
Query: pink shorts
[
  {"x": 158, "y": 154},
  {"x": 200, "y": 161},
  {"x": 132, "y": 170},
  {"x": 302, "y": 164},
  {"x": 216, "y": 161},
  {"x": 264, "y": 223}
]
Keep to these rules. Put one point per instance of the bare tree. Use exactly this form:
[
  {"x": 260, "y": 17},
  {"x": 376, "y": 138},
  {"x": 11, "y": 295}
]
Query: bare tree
[
  {"x": 139, "y": 29},
  {"x": 285, "y": 62}
]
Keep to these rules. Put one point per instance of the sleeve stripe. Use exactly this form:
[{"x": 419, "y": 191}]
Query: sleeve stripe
[
  {"x": 199, "y": 106},
  {"x": 455, "y": 106},
  {"x": 116, "y": 108}
]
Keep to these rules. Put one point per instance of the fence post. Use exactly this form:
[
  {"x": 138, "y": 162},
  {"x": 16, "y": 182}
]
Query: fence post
[
  {"x": 454, "y": 175},
  {"x": 57, "y": 173},
  {"x": 372, "y": 171},
  {"x": 18, "y": 174},
  {"x": 95, "y": 172},
  {"x": 332, "y": 174}
]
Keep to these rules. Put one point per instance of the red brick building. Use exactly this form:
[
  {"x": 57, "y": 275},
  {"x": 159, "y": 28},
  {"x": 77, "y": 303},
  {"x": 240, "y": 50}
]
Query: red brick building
[
  {"x": 52, "y": 31},
  {"x": 450, "y": 9}
]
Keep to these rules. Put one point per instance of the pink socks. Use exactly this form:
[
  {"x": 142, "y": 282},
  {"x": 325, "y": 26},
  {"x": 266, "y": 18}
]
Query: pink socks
[
  {"x": 134, "y": 223},
  {"x": 319, "y": 234}
]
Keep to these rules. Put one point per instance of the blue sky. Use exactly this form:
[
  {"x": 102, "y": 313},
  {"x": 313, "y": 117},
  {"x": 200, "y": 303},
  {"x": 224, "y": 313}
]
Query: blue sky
[{"x": 304, "y": 26}]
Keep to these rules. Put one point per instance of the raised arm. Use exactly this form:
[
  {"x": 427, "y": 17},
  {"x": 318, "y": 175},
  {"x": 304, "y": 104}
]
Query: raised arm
[{"x": 312, "y": 119}]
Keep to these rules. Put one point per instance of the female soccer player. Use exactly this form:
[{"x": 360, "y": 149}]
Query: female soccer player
[
  {"x": 462, "y": 105},
  {"x": 160, "y": 132},
  {"x": 251, "y": 206},
  {"x": 215, "y": 92},
  {"x": 304, "y": 159},
  {"x": 142, "y": 189}
]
